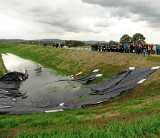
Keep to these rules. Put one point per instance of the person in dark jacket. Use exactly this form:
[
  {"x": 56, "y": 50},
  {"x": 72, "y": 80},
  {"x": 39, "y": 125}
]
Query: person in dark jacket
[
  {"x": 144, "y": 49},
  {"x": 57, "y": 45}
]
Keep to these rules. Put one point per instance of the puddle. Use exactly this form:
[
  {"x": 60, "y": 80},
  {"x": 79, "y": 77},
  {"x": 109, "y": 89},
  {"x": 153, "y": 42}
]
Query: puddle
[{"x": 40, "y": 85}]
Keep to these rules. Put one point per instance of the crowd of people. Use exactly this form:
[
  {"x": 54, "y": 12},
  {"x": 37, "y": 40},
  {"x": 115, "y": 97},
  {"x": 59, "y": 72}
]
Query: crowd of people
[
  {"x": 57, "y": 45},
  {"x": 125, "y": 48}
]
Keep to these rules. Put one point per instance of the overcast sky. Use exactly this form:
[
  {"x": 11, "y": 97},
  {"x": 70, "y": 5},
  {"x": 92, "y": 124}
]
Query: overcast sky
[{"x": 79, "y": 19}]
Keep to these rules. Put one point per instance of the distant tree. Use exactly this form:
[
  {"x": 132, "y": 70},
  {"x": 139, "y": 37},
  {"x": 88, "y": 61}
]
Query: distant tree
[
  {"x": 126, "y": 39},
  {"x": 74, "y": 43},
  {"x": 111, "y": 42},
  {"x": 138, "y": 38},
  {"x": 68, "y": 42}
]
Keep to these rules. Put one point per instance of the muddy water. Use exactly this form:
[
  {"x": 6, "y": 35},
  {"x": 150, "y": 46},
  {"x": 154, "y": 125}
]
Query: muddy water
[{"x": 43, "y": 88}]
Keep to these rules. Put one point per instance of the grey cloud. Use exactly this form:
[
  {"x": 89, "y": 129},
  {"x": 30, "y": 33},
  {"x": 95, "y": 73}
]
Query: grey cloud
[
  {"x": 147, "y": 10},
  {"x": 56, "y": 17},
  {"x": 38, "y": 9},
  {"x": 59, "y": 19},
  {"x": 67, "y": 26},
  {"x": 108, "y": 3}
]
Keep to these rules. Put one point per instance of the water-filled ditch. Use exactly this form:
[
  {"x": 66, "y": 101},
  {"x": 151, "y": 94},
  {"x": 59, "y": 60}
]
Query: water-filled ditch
[
  {"x": 43, "y": 88},
  {"x": 45, "y": 91}
]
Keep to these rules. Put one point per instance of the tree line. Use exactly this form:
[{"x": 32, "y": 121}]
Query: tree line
[{"x": 137, "y": 38}]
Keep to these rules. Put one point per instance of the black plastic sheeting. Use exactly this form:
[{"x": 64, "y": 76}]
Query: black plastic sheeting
[
  {"x": 85, "y": 79},
  {"x": 12, "y": 80},
  {"x": 86, "y": 95},
  {"x": 14, "y": 76},
  {"x": 109, "y": 88}
]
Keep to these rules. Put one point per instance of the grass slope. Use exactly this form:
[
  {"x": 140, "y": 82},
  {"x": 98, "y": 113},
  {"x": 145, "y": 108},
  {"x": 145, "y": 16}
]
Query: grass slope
[
  {"x": 72, "y": 61},
  {"x": 134, "y": 113}
]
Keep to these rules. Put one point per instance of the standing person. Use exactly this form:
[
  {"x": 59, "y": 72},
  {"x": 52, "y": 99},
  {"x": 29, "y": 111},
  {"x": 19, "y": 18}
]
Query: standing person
[
  {"x": 92, "y": 47},
  {"x": 57, "y": 45},
  {"x": 136, "y": 48},
  {"x": 61, "y": 45},
  {"x": 131, "y": 48},
  {"x": 96, "y": 47},
  {"x": 158, "y": 49},
  {"x": 152, "y": 49},
  {"x": 121, "y": 48},
  {"x": 99, "y": 47},
  {"x": 128, "y": 48},
  {"x": 140, "y": 49},
  {"x": 108, "y": 48},
  {"x": 125, "y": 48},
  {"x": 149, "y": 49},
  {"x": 144, "y": 49}
]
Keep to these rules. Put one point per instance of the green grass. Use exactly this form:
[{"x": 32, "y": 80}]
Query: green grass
[
  {"x": 152, "y": 58},
  {"x": 143, "y": 127},
  {"x": 128, "y": 103},
  {"x": 142, "y": 107},
  {"x": 44, "y": 119},
  {"x": 9, "y": 123}
]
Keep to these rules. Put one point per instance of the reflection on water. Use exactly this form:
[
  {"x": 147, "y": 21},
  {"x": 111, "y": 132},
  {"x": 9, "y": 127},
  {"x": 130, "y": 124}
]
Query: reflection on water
[{"x": 42, "y": 82}]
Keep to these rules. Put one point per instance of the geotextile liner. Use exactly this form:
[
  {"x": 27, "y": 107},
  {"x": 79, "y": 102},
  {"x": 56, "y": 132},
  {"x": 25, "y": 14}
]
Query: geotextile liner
[
  {"x": 14, "y": 76},
  {"x": 86, "y": 95},
  {"x": 12, "y": 80},
  {"x": 85, "y": 79}
]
